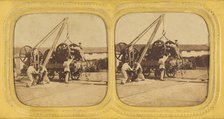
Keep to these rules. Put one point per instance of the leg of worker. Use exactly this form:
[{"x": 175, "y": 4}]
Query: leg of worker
[
  {"x": 45, "y": 78},
  {"x": 125, "y": 76},
  {"x": 86, "y": 75},
  {"x": 134, "y": 76},
  {"x": 141, "y": 76},
  {"x": 162, "y": 71},
  {"x": 30, "y": 76},
  {"x": 66, "y": 77},
  {"x": 39, "y": 79}
]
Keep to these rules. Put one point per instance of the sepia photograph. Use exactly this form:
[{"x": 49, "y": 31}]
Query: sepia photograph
[
  {"x": 60, "y": 59},
  {"x": 162, "y": 59}
]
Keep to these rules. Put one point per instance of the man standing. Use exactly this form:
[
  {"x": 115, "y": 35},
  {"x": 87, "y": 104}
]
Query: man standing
[
  {"x": 125, "y": 69},
  {"x": 138, "y": 71},
  {"x": 66, "y": 66},
  {"x": 161, "y": 62},
  {"x": 32, "y": 74}
]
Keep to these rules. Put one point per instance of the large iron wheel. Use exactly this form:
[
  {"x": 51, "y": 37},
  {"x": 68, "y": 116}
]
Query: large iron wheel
[
  {"x": 146, "y": 71},
  {"x": 171, "y": 48},
  {"x": 158, "y": 43},
  {"x": 158, "y": 49},
  {"x": 25, "y": 54},
  {"x": 75, "y": 75},
  {"x": 62, "y": 52},
  {"x": 171, "y": 72},
  {"x": 51, "y": 75},
  {"x": 75, "y": 52},
  {"x": 62, "y": 76}
]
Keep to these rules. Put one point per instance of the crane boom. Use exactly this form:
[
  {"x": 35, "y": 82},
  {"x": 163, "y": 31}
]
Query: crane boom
[
  {"x": 49, "y": 34},
  {"x": 144, "y": 32},
  {"x": 151, "y": 38},
  {"x": 55, "y": 42}
]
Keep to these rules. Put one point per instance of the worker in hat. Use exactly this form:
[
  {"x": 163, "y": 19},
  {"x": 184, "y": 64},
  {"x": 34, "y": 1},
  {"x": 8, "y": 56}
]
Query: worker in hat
[
  {"x": 161, "y": 62},
  {"x": 66, "y": 66},
  {"x": 138, "y": 72},
  {"x": 32, "y": 74},
  {"x": 125, "y": 69}
]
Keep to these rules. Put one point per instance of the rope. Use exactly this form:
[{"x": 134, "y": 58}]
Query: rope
[
  {"x": 49, "y": 34},
  {"x": 67, "y": 35},
  {"x": 42, "y": 42}
]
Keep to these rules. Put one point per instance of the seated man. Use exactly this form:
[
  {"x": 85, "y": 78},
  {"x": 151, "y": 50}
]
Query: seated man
[
  {"x": 125, "y": 69},
  {"x": 138, "y": 71},
  {"x": 33, "y": 75}
]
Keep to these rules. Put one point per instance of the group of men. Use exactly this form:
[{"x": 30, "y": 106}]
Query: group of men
[
  {"x": 39, "y": 75},
  {"x": 132, "y": 73},
  {"x": 135, "y": 73}
]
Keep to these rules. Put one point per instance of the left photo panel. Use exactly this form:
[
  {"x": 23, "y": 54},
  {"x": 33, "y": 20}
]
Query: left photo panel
[{"x": 60, "y": 59}]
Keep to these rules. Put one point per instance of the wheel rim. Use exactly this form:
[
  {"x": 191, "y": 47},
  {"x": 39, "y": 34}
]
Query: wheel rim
[
  {"x": 62, "y": 76},
  {"x": 25, "y": 54},
  {"x": 171, "y": 72},
  {"x": 75, "y": 75}
]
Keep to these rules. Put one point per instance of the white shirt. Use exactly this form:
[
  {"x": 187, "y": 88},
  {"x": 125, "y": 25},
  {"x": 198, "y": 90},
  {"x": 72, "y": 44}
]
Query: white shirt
[
  {"x": 31, "y": 70},
  {"x": 162, "y": 62},
  {"x": 126, "y": 67},
  {"x": 66, "y": 65},
  {"x": 138, "y": 66},
  {"x": 44, "y": 69}
]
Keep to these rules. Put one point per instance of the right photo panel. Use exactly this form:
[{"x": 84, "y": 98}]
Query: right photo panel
[{"x": 162, "y": 59}]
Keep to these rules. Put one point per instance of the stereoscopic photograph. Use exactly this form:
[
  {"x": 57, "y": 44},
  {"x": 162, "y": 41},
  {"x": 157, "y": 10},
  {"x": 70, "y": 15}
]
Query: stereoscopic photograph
[
  {"x": 162, "y": 59},
  {"x": 60, "y": 59}
]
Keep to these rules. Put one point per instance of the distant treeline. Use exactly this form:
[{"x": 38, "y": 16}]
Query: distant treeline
[{"x": 193, "y": 62}]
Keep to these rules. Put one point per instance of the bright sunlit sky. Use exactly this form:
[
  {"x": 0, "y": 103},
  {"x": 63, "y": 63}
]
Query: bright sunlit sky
[
  {"x": 86, "y": 28},
  {"x": 187, "y": 28},
  {"x": 89, "y": 29}
]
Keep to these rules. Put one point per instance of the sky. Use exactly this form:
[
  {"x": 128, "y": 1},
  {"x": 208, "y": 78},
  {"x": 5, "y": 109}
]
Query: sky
[
  {"x": 85, "y": 28},
  {"x": 90, "y": 29},
  {"x": 187, "y": 28}
]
